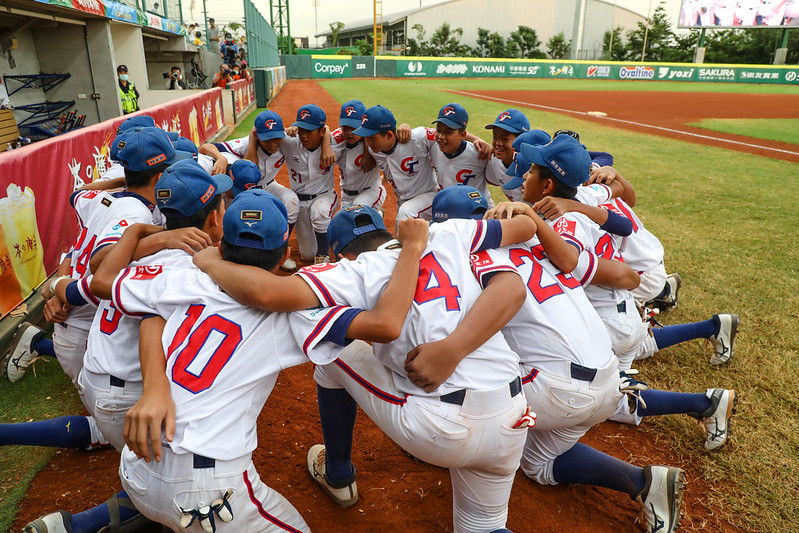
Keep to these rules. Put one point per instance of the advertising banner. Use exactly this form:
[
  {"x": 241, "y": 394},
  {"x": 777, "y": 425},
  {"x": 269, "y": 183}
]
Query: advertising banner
[
  {"x": 95, "y": 7},
  {"x": 37, "y": 223},
  {"x": 243, "y": 96},
  {"x": 119, "y": 11},
  {"x": 331, "y": 66},
  {"x": 742, "y": 14}
]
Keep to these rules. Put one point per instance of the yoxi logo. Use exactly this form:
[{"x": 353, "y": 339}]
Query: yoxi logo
[
  {"x": 675, "y": 73},
  {"x": 598, "y": 71},
  {"x": 408, "y": 165},
  {"x": 463, "y": 176},
  {"x": 349, "y": 111},
  {"x": 636, "y": 73}
]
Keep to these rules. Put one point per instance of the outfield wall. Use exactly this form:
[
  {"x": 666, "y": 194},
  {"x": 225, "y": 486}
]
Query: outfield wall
[{"x": 325, "y": 66}]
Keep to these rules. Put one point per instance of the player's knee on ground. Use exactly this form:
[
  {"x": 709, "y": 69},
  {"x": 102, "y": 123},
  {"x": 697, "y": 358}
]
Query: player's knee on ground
[{"x": 321, "y": 213}]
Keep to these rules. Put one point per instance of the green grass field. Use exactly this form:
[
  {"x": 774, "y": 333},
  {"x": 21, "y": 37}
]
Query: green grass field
[
  {"x": 725, "y": 230},
  {"x": 773, "y": 129},
  {"x": 732, "y": 239}
]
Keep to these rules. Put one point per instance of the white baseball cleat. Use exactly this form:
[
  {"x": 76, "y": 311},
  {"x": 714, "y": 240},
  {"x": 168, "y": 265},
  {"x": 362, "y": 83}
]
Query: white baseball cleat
[
  {"x": 345, "y": 493},
  {"x": 724, "y": 340},
  {"x": 288, "y": 265},
  {"x": 716, "y": 418},
  {"x": 661, "y": 498},
  {"x": 58, "y": 522},
  {"x": 16, "y": 362},
  {"x": 674, "y": 281}
]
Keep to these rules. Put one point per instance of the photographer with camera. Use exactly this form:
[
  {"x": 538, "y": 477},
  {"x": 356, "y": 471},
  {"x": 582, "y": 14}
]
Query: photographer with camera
[
  {"x": 223, "y": 77},
  {"x": 175, "y": 79},
  {"x": 229, "y": 50}
]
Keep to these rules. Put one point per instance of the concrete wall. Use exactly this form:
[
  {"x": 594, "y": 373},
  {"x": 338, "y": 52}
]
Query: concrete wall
[
  {"x": 27, "y": 62},
  {"x": 128, "y": 49},
  {"x": 103, "y": 68}
]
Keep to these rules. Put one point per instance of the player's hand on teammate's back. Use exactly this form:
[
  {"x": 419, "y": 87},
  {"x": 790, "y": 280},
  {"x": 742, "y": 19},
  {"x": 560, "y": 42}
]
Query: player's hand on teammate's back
[
  {"x": 412, "y": 233},
  {"x": 403, "y": 133},
  {"x": 207, "y": 256},
  {"x": 552, "y": 208},
  {"x": 220, "y": 166},
  {"x": 508, "y": 210},
  {"x": 190, "y": 240},
  {"x": 56, "y": 311},
  {"x": 431, "y": 364},
  {"x": 604, "y": 175},
  {"x": 483, "y": 147}
]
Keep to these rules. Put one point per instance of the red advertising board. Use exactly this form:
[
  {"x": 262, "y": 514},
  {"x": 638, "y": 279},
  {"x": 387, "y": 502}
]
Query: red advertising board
[
  {"x": 37, "y": 223},
  {"x": 243, "y": 95}
]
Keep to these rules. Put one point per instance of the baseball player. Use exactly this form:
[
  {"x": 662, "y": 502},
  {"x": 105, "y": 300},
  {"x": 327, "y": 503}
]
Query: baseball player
[
  {"x": 479, "y": 406},
  {"x": 745, "y": 12},
  {"x": 110, "y": 382},
  {"x": 505, "y": 129},
  {"x": 310, "y": 158},
  {"x": 569, "y": 373},
  {"x": 245, "y": 176},
  {"x": 724, "y": 12},
  {"x": 360, "y": 178},
  {"x": 406, "y": 166},
  {"x": 771, "y": 12},
  {"x": 204, "y": 474},
  {"x": 558, "y": 168}
]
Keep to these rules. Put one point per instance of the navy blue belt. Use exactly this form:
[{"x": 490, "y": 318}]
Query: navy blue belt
[
  {"x": 116, "y": 382},
  {"x": 621, "y": 307},
  {"x": 355, "y": 193},
  {"x": 200, "y": 461},
  {"x": 583, "y": 373},
  {"x": 457, "y": 397}
]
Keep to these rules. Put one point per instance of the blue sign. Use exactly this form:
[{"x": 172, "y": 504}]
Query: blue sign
[{"x": 122, "y": 12}]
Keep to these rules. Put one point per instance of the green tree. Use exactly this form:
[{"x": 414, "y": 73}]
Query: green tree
[
  {"x": 489, "y": 44},
  {"x": 446, "y": 41},
  {"x": 613, "y": 45},
  {"x": 659, "y": 37},
  {"x": 365, "y": 47},
  {"x": 558, "y": 47},
  {"x": 335, "y": 28},
  {"x": 683, "y": 48},
  {"x": 527, "y": 42},
  {"x": 286, "y": 45},
  {"x": 419, "y": 46}
]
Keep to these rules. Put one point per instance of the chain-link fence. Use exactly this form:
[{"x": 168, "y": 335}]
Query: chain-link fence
[{"x": 261, "y": 39}]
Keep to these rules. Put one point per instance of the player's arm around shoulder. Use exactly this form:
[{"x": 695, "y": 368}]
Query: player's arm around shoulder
[
  {"x": 621, "y": 187},
  {"x": 517, "y": 220},
  {"x": 615, "y": 274},
  {"x": 383, "y": 323},
  {"x": 255, "y": 287},
  {"x": 117, "y": 257}
]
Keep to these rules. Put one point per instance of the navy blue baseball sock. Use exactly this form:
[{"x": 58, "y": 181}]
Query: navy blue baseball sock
[
  {"x": 322, "y": 248},
  {"x": 61, "y": 432},
  {"x": 661, "y": 402},
  {"x": 337, "y": 412},
  {"x": 671, "y": 335},
  {"x": 42, "y": 345},
  {"x": 587, "y": 466},
  {"x": 93, "y": 519}
]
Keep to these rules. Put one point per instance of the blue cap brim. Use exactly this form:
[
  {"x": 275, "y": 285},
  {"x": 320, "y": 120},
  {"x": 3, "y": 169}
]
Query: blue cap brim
[
  {"x": 365, "y": 132},
  {"x": 511, "y": 169},
  {"x": 181, "y": 155},
  {"x": 351, "y": 122},
  {"x": 514, "y": 183},
  {"x": 269, "y": 135},
  {"x": 504, "y": 127},
  {"x": 451, "y": 123},
  {"x": 306, "y": 125},
  {"x": 532, "y": 153},
  {"x": 222, "y": 183}
]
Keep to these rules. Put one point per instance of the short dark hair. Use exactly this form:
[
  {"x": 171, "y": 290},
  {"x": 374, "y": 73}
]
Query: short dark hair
[
  {"x": 266, "y": 259},
  {"x": 175, "y": 67},
  {"x": 367, "y": 242},
  {"x": 140, "y": 178},
  {"x": 571, "y": 133},
  {"x": 561, "y": 190},
  {"x": 197, "y": 220}
]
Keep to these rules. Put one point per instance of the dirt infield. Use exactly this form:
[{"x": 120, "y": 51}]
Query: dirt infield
[
  {"x": 396, "y": 492},
  {"x": 667, "y": 113}
]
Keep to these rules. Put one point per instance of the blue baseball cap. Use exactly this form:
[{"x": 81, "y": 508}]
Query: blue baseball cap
[
  {"x": 139, "y": 121},
  {"x": 173, "y": 135},
  {"x": 453, "y": 115},
  {"x": 185, "y": 188},
  {"x": 351, "y": 114},
  {"x": 517, "y": 169},
  {"x": 245, "y": 176},
  {"x": 144, "y": 148},
  {"x": 310, "y": 117},
  {"x": 459, "y": 201},
  {"x": 269, "y": 125},
  {"x": 375, "y": 120},
  {"x": 531, "y": 137},
  {"x": 256, "y": 219},
  {"x": 351, "y": 222},
  {"x": 185, "y": 145},
  {"x": 511, "y": 120},
  {"x": 564, "y": 156}
]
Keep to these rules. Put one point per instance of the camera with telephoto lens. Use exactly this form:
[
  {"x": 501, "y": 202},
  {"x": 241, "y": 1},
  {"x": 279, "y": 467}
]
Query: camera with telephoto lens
[{"x": 167, "y": 75}]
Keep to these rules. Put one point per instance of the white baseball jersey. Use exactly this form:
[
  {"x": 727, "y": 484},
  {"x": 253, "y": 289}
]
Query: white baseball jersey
[
  {"x": 222, "y": 358},
  {"x": 464, "y": 167},
  {"x": 113, "y": 344},
  {"x": 594, "y": 194},
  {"x": 772, "y": 11},
  {"x": 724, "y": 11},
  {"x": 445, "y": 291},
  {"x": 114, "y": 171},
  {"x": 407, "y": 166},
  {"x": 207, "y": 162},
  {"x": 557, "y": 322},
  {"x": 348, "y": 157},
  {"x": 495, "y": 175},
  {"x": 641, "y": 249},
  {"x": 746, "y": 11},
  {"x": 269, "y": 164},
  {"x": 305, "y": 170},
  {"x": 705, "y": 12},
  {"x": 688, "y": 13},
  {"x": 103, "y": 218}
]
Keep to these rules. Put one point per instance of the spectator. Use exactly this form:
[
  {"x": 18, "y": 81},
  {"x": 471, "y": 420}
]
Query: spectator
[
  {"x": 243, "y": 48},
  {"x": 175, "y": 80},
  {"x": 213, "y": 36},
  {"x": 222, "y": 78},
  {"x": 127, "y": 91},
  {"x": 229, "y": 50},
  {"x": 243, "y": 72},
  {"x": 198, "y": 38}
]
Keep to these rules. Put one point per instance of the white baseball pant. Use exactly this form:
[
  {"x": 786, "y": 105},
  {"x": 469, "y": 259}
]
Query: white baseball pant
[
  {"x": 108, "y": 403},
  {"x": 475, "y": 441},
  {"x": 420, "y": 206},
  {"x": 566, "y": 409},
  {"x": 287, "y": 196},
  {"x": 314, "y": 216},
  {"x": 374, "y": 196},
  {"x": 652, "y": 282},
  {"x": 159, "y": 490},
  {"x": 629, "y": 335}
]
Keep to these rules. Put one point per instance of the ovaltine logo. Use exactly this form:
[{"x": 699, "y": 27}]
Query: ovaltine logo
[
  {"x": 147, "y": 271},
  {"x": 270, "y": 124},
  {"x": 163, "y": 194},
  {"x": 304, "y": 114},
  {"x": 636, "y": 73},
  {"x": 504, "y": 116},
  {"x": 557, "y": 167},
  {"x": 349, "y": 111},
  {"x": 155, "y": 160},
  {"x": 447, "y": 111},
  {"x": 208, "y": 194},
  {"x": 252, "y": 215}
]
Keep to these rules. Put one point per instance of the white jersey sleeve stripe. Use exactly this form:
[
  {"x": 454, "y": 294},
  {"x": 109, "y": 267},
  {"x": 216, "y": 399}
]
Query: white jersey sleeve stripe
[
  {"x": 573, "y": 241},
  {"x": 115, "y": 293},
  {"x": 83, "y": 289},
  {"x": 322, "y": 328},
  {"x": 586, "y": 268},
  {"x": 478, "y": 236},
  {"x": 321, "y": 292},
  {"x": 481, "y": 272}
]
